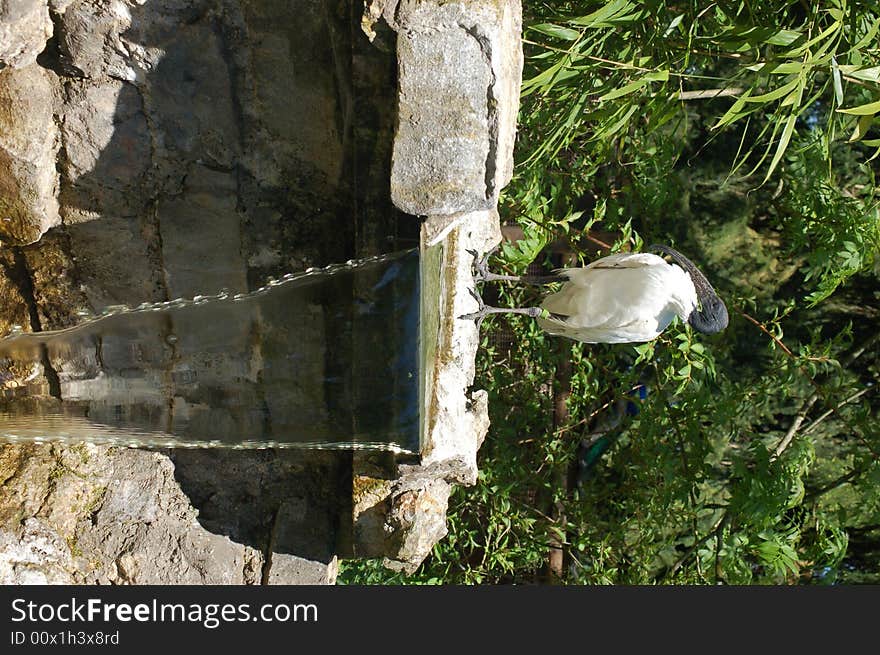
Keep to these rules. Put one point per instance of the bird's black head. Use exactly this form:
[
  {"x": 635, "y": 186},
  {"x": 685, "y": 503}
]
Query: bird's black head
[{"x": 711, "y": 314}]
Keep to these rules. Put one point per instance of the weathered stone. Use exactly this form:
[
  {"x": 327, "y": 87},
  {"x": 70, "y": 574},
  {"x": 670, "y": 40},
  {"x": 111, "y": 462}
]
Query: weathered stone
[
  {"x": 427, "y": 526},
  {"x": 205, "y": 145},
  {"x": 192, "y": 114},
  {"x": 104, "y": 515},
  {"x": 287, "y": 568},
  {"x": 28, "y": 149},
  {"x": 292, "y": 520},
  {"x": 89, "y": 42},
  {"x": 284, "y": 503},
  {"x": 373, "y": 477},
  {"x": 51, "y": 271},
  {"x": 460, "y": 68},
  {"x": 459, "y": 72},
  {"x": 35, "y": 554},
  {"x": 114, "y": 265},
  {"x": 59, "y": 6},
  {"x": 456, "y": 423},
  {"x": 200, "y": 260},
  {"x": 417, "y": 517},
  {"x": 92, "y": 514},
  {"x": 107, "y": 145},
  {"x": 25, "y": 27},
  {"x": 375, "y": 10},
  {"x": 15, "y": 315},
  {"x": 299, "y": 103},
  {"x": 401, "y": 513}
]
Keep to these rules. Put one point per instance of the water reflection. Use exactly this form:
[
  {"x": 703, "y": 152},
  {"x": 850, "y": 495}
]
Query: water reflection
[{"x": 326, "y": 359}]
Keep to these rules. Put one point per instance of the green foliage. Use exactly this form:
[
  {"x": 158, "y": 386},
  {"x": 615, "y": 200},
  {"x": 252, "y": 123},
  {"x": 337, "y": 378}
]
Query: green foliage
[
  {"x": 753, "y": 457},
  {"x": 837, "y": 226},
  {"x": 632, "y": 64}
]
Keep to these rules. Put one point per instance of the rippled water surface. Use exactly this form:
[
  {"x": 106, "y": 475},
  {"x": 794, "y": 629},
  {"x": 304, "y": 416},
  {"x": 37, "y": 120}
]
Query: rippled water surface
[{"x": 328, "y": 358}]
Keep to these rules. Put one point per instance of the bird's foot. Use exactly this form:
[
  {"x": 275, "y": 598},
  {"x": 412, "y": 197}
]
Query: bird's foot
[
  {"x": 482, "y": 310},
  {"x": 481, "y": 264}
]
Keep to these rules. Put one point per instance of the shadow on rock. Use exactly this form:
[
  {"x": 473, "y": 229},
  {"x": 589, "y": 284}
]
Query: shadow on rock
[{"x": 278, "y": 501}]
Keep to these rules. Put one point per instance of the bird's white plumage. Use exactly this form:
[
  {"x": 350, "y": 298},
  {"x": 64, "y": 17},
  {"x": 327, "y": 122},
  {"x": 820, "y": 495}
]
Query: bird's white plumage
[{"x": 629, "y": 297}]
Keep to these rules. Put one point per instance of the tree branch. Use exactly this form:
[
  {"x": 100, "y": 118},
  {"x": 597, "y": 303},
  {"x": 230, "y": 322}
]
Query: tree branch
[
  {"x": 703, "y": 94},
  {"x": 801, "y": 416},
  {"x": 763, "y": 329},
  {"x": 812, "y": 426},
  {"x": 795, "y": 425}
]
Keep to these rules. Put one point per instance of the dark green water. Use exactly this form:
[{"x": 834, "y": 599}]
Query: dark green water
[{"x": 324, "y": 359}]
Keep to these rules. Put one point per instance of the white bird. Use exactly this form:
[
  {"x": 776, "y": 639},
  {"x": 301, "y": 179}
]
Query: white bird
[{"x": 622, "y": 298}]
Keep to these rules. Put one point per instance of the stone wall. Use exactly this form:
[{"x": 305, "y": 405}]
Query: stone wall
[
  {"x": 155, "y": 149},
  {"x": 90, "y": 514},
  {"x": 151, "y": 149},
  {"x": 214, "y": 142}
]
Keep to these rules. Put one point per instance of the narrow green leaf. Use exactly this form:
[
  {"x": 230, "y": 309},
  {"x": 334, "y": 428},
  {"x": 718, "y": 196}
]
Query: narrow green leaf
[
  {"x": 613, "y": 8},
  {"x": 784, "y": 37},
  {"x": 632, "y": 87},
  {"x": 800, "y": 50},
  {"x": 775, "y": 94},
  {"x": 792, "y": 98},
  {"x": 735, "y": 112},
  {"x": 867, "y": 74},
  {"x": 628, "y": 18},
  {"x": 782, "y": 144},
  {"x": 838, "y": 83},
  {"x": 658, "y": 76},
  {"x": 862, "y": 110},
  {"x": 673, "y": 24},
  {"x": 862, "y": 127},
  {"x": 542, "y": 79},
  {"x": 556, "y": 31},
  {"x": 786, "y": 68},
  {"x": 609, "y": 131},
  {"x": 869, "y": 36}
]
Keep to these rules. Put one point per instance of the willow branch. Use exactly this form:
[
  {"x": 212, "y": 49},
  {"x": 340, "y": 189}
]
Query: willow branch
[
  {"x": 795, "y": 425},
  {"x": 763, "y": 329},
  {"x": 821, "y": 418},
  {"x": 704, "y": 94},
  {"x": 801, "y": 416}
]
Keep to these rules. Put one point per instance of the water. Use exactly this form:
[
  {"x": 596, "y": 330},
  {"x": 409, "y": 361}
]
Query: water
[{"x": 328, "y": 358}]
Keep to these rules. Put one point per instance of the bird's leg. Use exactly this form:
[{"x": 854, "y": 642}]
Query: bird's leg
[
  {"x": 484, "y": 310},
  {"x": 481, "y": 265},
  {"x": 482, "y": 273}
]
